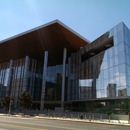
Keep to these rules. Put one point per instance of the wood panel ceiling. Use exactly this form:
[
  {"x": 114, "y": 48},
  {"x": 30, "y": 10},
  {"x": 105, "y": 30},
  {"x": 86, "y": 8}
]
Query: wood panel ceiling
[{"x": 52, "y": 38}]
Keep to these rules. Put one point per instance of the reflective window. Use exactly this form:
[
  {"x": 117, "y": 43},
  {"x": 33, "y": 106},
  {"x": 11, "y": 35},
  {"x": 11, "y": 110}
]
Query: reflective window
[
  {"x": 115, "y": 40},
  {"x": 111, "y": 32},
  {"x": 122, "y": 79},
  {"x": 121, "y": 57},
  {"x": 6, "y": 77},
  {"x": 97, "y": 84},
  {"x": 111, "y": 62},
  {"x": 116, "y": 60},
  {"x": 105, "y": 83},
  {"x": 127, "y": 49},
  {"x": 122, "y": 68},
  {"x": 119, "y": 37},
  {"x": 101, "y": 84},
  {"x": 111, "y": 72},
  {"x": 110, "y": 53},
  {"x": 126, "y": 39},
  {"x": 105, "y": 55},
  {"x": 126, "y": 30},
  {"x": 128, "y": 80},
  {"x": 116, "y": 71},
  {"x": 128, "y": 91},
  {"x": 105, "y": 74},
  {"x": 106, "y": 70},
  {"x": 116, "y": 50},
  {"x": 128, "y": 69},
  {"x": 115, "y": 30},
  {"x": 105, "y": 64},
  {"x": 120, "y": 47},
  {"x": 122, "y": 92},
  {"x": 117, "y": 81},
  {"x": 120, "y": 27}
]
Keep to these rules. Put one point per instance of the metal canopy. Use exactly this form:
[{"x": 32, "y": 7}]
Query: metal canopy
[{"x": 51, "y": 37}]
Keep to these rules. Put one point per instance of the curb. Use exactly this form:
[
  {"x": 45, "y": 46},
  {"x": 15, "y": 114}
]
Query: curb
[
  {"x": 60, "y": 119},
  {"x": 95, "y": 122}
]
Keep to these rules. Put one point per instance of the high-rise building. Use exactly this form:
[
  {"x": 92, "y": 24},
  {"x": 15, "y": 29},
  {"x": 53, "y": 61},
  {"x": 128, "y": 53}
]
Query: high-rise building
[
  {"x": 111, "y": 90},
  {"x": 60, "y": 68}
]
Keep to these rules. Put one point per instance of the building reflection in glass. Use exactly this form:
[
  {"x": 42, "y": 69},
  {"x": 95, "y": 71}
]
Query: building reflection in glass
[{"x": 101, "y": 67}]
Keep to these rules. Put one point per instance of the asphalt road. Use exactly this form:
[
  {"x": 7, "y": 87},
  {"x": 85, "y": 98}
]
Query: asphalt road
[{"x": 19, "y": 123}]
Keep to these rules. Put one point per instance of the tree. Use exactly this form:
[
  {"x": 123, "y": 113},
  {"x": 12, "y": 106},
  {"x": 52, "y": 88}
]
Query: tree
[
  {"x": 6, "y": 102},
  {"x": 109, "y": 112},
  {"x": 25, "y": 100}
]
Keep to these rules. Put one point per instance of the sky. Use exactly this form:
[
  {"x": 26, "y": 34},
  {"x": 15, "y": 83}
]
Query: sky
[{"x": 89, "y": 18}]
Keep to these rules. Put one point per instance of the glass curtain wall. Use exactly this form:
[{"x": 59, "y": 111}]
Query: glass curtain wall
[
  {"x": 4, "y": 74},
  {"x": 34, "y": 79},
  {"x": 103, "y": 75},
  {"x": 127, "y": 56},
  {"x": 17, "y": 78},
  {"x": 54, "y": 82}
]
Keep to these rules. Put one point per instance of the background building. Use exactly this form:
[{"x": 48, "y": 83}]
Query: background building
[{"x": 111, "y": 90}]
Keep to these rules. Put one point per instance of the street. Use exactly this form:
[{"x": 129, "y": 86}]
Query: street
[{"x": 20, "y": 123}]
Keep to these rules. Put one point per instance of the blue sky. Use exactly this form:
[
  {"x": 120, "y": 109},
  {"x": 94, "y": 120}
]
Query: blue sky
[{"x": 90, "y": 18}]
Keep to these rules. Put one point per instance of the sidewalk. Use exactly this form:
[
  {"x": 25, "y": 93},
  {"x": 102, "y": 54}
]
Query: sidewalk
[{"x": 103, "y": 121}]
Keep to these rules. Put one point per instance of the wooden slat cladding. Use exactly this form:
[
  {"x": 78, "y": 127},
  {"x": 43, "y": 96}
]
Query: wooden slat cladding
[{"x": 52, "y": 38}]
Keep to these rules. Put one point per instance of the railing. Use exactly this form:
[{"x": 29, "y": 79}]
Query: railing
[
  {"x": 74, "y": 110},
  {"x": 71, "y": 115},
  {"x": 100, "y": 110}
]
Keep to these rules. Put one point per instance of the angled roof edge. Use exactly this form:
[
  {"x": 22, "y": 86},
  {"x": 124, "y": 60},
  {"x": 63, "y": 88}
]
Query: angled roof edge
[
  {"x": 45, "y": 25},
  {"x": 72, "y": 31}
]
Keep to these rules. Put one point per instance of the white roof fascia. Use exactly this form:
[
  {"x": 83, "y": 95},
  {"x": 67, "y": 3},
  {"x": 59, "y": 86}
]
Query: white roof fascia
[{"x": 42, "y": 26}]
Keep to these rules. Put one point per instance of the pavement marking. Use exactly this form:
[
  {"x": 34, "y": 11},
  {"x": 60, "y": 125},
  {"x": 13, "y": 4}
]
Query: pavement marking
[{"x": 20, "y": 126}]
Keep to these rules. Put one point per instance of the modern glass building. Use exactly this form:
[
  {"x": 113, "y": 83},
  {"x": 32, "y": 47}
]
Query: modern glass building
[
  {"x": 99, "y": 73},
  {"x": 60, "y": 68}
]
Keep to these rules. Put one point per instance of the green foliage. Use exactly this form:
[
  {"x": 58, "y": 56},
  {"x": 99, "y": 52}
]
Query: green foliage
[
  {"x": 6, "y": 102},
  {"x": 109, "y": 112},
  {"x": 25, "y": 100}
]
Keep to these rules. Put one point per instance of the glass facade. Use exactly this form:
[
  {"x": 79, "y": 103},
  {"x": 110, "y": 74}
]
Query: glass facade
[
  {"x": 34, "y": 79},
  {"x": 101, "y": 70},
  {"x": 4, "y": 74},
  {"x": 97, "y": 76},
  {"x": 54, "y": 83},
  {"x": 34, "y": 76}
]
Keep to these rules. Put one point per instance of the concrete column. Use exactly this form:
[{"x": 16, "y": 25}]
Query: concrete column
[
  {"x": 79, "y": 88},
  {"x": 69, "y": 67},
  {"x": 63, "y": 78},
  {"x": 9, "y": 77},
  {"x": 44, "y": 80},
  {"x": 25, "y": 73}
]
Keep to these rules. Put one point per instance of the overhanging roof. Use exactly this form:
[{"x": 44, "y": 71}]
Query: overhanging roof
[{"x": 51, "y": 37}]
